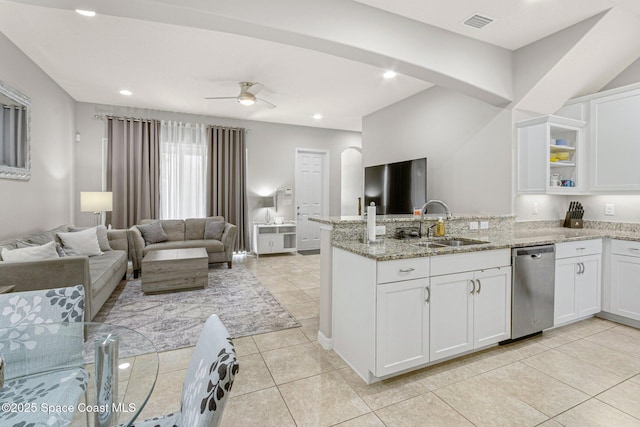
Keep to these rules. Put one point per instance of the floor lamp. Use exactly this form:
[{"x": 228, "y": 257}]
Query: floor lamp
[{"x": 96, "y": 202}]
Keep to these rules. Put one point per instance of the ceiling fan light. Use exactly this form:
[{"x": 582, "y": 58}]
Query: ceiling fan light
[{"x": 246, "y": 99}]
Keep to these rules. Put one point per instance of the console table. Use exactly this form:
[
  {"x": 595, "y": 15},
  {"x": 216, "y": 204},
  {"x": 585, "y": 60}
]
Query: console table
[{"x": 274, "y": 238}]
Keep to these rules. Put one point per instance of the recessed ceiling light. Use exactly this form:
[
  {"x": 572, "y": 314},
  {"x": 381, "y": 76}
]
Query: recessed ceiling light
[
  {"x": 317, "y": 116},
  {"x": 389, "y": 74},
  {"x": 86, "y": 12},
  {"x": 126, "y": 92}
]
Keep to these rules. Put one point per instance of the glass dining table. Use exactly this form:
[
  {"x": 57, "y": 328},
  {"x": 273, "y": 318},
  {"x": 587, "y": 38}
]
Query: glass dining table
[{"x": 74, "y": 374}]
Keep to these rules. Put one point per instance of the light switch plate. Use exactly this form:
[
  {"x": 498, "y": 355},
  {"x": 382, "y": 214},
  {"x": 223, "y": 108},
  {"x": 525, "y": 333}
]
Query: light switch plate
[
  {"x": 609, "y": 209},
  {"x": 484, "y": 225},
  {"x": 473, "y": 225}
]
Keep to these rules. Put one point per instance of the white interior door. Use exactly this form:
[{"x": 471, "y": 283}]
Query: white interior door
[{"x": 310, "y": 190}]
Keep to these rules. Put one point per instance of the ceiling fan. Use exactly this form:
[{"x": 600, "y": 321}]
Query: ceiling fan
[{"x": 248, "y": 92}]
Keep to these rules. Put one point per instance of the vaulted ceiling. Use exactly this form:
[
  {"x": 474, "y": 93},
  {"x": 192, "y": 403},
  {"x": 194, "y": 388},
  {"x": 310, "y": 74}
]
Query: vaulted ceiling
[{"x": 323, "y": 57}]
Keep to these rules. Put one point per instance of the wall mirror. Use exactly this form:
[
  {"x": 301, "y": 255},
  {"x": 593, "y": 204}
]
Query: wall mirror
[{"x": 15, "y": 140}]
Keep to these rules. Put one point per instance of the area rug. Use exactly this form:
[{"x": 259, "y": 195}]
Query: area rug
[{"x": 174, "y": 320}]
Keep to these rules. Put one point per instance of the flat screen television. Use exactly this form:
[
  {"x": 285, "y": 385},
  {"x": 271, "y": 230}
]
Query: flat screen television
[{"x": 396, "y": 188}]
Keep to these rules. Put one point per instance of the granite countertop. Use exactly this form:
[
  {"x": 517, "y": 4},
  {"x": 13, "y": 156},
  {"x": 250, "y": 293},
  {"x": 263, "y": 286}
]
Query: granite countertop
[
  {"x": 355, "y": 219},
  {"x": 390, "y": 249}
]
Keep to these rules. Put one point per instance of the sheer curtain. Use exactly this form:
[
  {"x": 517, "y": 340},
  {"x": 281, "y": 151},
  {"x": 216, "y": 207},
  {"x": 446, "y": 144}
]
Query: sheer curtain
[{"x": 183, "y": 168}]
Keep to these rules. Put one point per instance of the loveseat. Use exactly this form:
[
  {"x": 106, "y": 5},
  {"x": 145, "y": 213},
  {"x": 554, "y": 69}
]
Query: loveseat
[
  {"x": 99, "y": 274},
  {"x": 188, "y": 233}
]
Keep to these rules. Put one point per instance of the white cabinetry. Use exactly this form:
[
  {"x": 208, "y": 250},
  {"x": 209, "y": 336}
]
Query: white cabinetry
[
  {"x": 469, "y": 310},
  {"x": 578, "y": 280},
  {"x": 625, "y": 279},
  {"x": 537, "y": 147},
  {"x": 615, "y": 129},
  {"x": 272, "y": 238}
]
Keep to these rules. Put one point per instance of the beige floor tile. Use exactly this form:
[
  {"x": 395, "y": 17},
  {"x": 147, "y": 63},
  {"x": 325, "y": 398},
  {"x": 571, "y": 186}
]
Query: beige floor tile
[
  {"x": 594, "y": 413},
  {"x": 322, "y": 400},
  {"x": 480, "y": 402},
  {"x": 313, "y": 293},
  {"x": 175, "y": 360},
  {"x": 550, "y": 423},
  {"x": 280, "y": 339},
  {"x": 617, "y": 341},
  {"x": 589, "y": 327},
  {"x": 278, "y": 285},
  {"x": 295, "y": 297},
  {"x": 523, "y": 349},
  {"x": 310, "y": 327},
  {"x": 636, "y": 379},
  {"x": 627, "y": 331},
  {"x": 253, "y": 375},
  {"x": 624, "y": 397},
  {"x": 421, "y": 411},
  {"x": 555, "y": 338},
  {"x": 437, "y": 377},
  {"x": 166, "y": 395},
  {"x": 264, "y": 408},
  {"x": 603, "y": 357},
  {"x": 583, "y": 376},
  {"x": 331, "y": 356},
  {"x": 303, "y": 311},
  {"x": 367, "y": 420},
  {"x": 245, "y": 346},
  {"x": 296, "y": 362},
  {"x": 383, "y": 393},
  {"x": 145, "y": 365},
  {"x": 544, "y": 393}
]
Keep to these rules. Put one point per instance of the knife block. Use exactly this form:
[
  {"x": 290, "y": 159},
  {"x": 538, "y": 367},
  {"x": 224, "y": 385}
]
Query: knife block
[{"x": 572, "y": 222}]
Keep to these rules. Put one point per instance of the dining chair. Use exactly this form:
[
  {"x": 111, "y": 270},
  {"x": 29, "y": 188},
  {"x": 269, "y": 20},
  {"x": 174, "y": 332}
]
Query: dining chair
[
  {"x": 208, "y": 381},
  {"x": 41, "y": 342}
]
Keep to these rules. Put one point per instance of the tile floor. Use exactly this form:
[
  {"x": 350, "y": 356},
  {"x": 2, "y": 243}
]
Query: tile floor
[{"x": 584, "y": 374}]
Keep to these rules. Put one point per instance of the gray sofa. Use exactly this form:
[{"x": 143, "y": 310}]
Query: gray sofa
[
  {"x": 188, "y": 233},
  {"x": 99, "y": 274}
]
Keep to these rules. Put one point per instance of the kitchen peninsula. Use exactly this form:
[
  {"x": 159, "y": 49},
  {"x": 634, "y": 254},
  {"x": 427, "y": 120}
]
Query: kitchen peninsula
[{"x": 394, "y": 306}]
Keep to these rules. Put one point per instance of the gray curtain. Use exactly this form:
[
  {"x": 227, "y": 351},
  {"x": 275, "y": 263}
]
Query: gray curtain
[
  {"x": 12, "y": 134},
  {"x": 133, "y": 165},
  {"x": 226, "y": 179}
]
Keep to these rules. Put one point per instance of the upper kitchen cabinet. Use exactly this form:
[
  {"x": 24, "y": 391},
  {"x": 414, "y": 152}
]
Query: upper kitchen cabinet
[
  {"x": 614, "y": 136},
  {"x": 550, "y": 156}
]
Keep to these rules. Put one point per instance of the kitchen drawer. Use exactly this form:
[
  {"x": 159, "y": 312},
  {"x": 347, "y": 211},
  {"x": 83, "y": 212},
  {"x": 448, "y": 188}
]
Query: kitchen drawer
[
  {"x": 625, "y": 247},
  {"x": 403, "y": 269},
  {"x": 469, "y": 261},
  {"x": 578, "y": 248}
]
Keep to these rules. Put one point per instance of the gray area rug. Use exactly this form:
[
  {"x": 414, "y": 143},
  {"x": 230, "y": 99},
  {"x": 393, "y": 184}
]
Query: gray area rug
[{"x": 174, "y": 320}]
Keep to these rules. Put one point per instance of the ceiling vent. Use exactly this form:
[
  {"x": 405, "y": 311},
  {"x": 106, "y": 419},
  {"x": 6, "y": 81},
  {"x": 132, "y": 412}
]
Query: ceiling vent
[{"x": 478, "y": 21}]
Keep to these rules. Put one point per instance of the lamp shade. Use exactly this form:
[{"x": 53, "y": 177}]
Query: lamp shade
[
  {"x": 96, "y": 201},
  {"x": 267, "y": 202}
]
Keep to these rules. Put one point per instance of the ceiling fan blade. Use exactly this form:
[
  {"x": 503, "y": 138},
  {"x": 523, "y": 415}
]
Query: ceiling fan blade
[
  {"x": 221, "y": 97},
  {"x": 255, "y": 88},
  {"x": 270, "y": 105}
]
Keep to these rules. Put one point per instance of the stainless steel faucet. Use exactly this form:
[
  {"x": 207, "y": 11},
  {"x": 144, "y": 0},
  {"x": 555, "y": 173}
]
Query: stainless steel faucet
[{"x": 447, "y": 212}]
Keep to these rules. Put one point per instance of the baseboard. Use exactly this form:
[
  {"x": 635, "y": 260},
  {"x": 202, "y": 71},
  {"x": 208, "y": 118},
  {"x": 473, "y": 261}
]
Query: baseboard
[
  {"x": 326, "y": 343},
  {"x": 619, "y": 319}
]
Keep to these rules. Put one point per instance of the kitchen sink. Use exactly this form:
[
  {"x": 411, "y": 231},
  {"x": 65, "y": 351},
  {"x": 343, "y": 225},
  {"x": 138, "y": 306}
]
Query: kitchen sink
[{"x": 442, "y": 243}]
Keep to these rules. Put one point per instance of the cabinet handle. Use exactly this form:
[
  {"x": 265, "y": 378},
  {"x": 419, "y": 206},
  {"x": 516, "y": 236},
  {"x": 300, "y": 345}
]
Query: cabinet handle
[
  {"x": 406, "y": 270},
  {"x": 634, "y": 249},
  {"x": 428, "y": 295},
  {"x": 580, "y": 249},
  {"x": 583, "y": 267},
  {"x": 473, "y": 284},
  {"x": 479, "y": 286}
]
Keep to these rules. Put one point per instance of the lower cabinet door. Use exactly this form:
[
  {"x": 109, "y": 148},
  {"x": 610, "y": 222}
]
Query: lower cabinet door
[
  {"x": 402, "y": 325},
  {"x": 588, "y": 285},
  {"x": 492, "y": 306},
  {"x": 264, "y": 244},
  {"x": 451, "y": 314},
  {"x": 625, "y": 286},
  {"x": 565, "y": 306}
]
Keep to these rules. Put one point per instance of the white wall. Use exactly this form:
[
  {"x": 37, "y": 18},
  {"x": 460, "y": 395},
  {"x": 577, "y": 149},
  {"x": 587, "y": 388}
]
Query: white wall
[
  {"x": 467, "y": 144},
  {"x": 44, "y": 201},
  {"x": 352, "y": 177},
  {"x": 270, "y": 153}
]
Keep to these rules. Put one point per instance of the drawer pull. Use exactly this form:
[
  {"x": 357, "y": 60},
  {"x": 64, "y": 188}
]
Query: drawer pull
[
  {"x": 580, "y": 249},
  {"x": 406, "y": 270},
  {"x": 634, "y": 249}
]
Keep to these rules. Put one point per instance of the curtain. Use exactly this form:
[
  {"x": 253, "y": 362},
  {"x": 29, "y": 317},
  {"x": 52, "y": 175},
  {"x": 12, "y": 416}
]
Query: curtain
[
  {"x": 183, "y": 162},
  {"x": 226, "y": 176},
  {"x": 12, "y": 134},
  {"x": 133, "y": 157}
]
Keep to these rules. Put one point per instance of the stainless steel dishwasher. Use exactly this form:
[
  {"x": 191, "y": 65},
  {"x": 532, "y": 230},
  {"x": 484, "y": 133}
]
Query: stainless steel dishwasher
[{"x": 533, "y": 288}]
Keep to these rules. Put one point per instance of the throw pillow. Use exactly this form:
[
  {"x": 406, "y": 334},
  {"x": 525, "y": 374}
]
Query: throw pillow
[
  {"x": 153, "y": 232},
  {"x": 31, "y": 253},
  {"x": 81, "y": 243},
  {"x": 101, "y": 232},
  {"x": 214, "y": 229},
  {"x": 30, "y": 244}
]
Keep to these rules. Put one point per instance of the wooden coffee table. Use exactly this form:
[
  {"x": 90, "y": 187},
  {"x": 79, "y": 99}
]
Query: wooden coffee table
[{"x": 167, "y": 270}]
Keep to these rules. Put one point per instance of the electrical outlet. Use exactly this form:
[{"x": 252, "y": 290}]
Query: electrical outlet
[
  {"x": 473, "y": 225},
  {"x": 381, "y": 230},
  {"x": 534, "y": 208},
  {"x": 609, "y": 209},
  {"x": 484, "y": 225}
]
